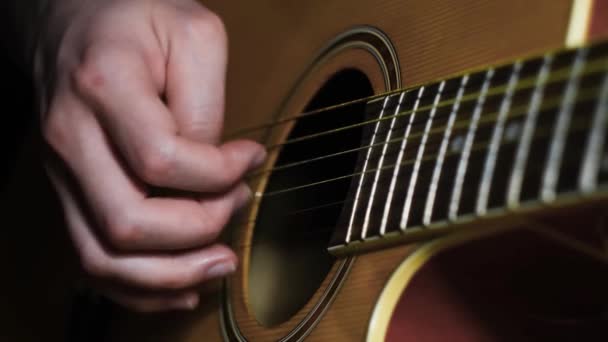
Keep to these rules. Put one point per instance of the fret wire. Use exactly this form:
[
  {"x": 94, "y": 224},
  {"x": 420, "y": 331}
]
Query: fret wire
[
  {"x": 556, "y": 76},
  {"x": 595, "y": 144},
  {"x": 298, "y": 163},
  {"x": 466, "y": 151},
  {"x": 358, "y": 193},
  {"x": 414, "y": 178},
  {"x": 519, "y": 111},
  {"x": 492, "y": 155},
  {"x": 244, "y": 132},
  {"x": 379, "y": 169},
  {"x": 433, "y": 131},
  {"x": 521, "y": 156},
  {"x": 430, "y": 200},
  {"x": 391, "y": 189},
  {"x": 543, "y": 132},
  {"x": 558, "y": 140}
]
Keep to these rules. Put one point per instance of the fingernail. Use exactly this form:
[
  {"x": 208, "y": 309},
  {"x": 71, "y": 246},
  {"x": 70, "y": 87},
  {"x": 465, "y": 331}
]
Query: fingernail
[
  {"x": 221, "y": 269},
  {"x": 260, "y": 158},
  {"x": 190, "y": 302},
  {"x": 243, "y": 198}
]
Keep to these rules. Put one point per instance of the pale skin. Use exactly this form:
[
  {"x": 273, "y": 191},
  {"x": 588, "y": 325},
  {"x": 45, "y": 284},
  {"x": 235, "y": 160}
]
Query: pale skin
[{"x": 132, "y": 97}]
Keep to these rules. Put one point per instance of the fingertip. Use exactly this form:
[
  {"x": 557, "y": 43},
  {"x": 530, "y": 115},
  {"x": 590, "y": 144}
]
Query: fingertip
[
  {"x": 221, "y": 269},
  {"x": 259, "y": 157},
  {"x": 189, "y": 302},
  {"x": 225, "y": 263},
  {"x": 243, "y": 197},
  {"x": 248, "y": 151},
  {"x": 224, "y": 254}
]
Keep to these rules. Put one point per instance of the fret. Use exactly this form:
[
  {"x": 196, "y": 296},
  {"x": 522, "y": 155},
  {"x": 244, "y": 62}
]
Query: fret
[
  {"x": 429, "y": 156},
  {"x": 403, "y": 145},
  {"x": 354, "y": 210},
  {"x": 390, "y": 162},
  {"x": 511, "y": 137},
  {"x": 430, "y": 200},
  {"x": 534, "y": 172},
  {"x": 481, "y": 141},
  {"x": 579, "y": 132},
  {"x": 586, "y": 128},
  {"x": 521, "y": 157},
  {"x": 416, "y": 167},
  {"x": 492, "y": 155},
  {"x": 558, "y": 140},
  {"x": 521, "y": 101},
  {"x": 602, "y": 167},
  {"x": 455, "y": 144},
  {"x": 379, "y": 170},
  {"x": 466, "y": 150},
  {"x": 410, "y": 155},
  {"x": 595, "y": 145}
]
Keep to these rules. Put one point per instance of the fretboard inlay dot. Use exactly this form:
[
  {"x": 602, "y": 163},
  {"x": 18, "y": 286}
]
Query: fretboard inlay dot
[{"x": 493, "y": 140}]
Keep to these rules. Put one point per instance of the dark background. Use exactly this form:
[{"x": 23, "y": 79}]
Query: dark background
[{"x": 16, "y": 95}]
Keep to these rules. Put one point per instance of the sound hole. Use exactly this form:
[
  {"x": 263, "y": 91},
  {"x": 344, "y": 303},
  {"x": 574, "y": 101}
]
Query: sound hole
[{"x": 289, "y": 258}]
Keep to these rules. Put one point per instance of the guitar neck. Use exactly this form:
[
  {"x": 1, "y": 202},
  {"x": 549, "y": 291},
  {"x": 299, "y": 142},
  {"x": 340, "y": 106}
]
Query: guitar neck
[{"x": 487, "y": 142}]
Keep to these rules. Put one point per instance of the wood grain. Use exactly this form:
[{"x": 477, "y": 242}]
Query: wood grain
[{"x": 272, "y": 43}]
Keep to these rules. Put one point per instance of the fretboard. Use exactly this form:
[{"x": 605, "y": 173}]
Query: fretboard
[{"x": 493, "y": 141}]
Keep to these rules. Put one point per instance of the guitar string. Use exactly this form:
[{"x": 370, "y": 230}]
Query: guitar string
[
  {"x": 285, "y": 120},
  {"x": 526, "y": 83},
  {"x": 543, "y": 131},
  {"x": 548, "y": 105},
  {"x": 486, "y": 119},
  {"x": 432, "y": 133},
  {"x": 591, "y": 64},
  {"x": 277, "y": 122},
  {"x": 577, "y": 126}
]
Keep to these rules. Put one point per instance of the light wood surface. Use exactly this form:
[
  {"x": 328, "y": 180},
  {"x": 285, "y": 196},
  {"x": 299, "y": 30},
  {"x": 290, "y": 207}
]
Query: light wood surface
[{"x": 272, "y": 43}]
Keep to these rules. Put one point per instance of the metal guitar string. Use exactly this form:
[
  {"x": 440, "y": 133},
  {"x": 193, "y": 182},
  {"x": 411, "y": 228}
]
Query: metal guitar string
[
  {"x": 560, "y": 75},
  {"x": 526, "y": 83},
  {"x": 488, "y": 118},
  {"x": 545, "y": 130}
]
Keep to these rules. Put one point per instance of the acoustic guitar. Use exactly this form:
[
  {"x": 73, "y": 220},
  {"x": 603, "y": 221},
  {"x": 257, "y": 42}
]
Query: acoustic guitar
[{"x": 438, "y": 171}]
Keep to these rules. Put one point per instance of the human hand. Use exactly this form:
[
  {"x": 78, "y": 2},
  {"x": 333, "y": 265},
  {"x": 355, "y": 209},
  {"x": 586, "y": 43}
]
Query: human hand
[{"x": 132, "y": 95}]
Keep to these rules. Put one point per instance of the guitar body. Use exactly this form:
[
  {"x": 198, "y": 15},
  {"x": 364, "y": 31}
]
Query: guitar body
[{"x": 467, "y": 286}]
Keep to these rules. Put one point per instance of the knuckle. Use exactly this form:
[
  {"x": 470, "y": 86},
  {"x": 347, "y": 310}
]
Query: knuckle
[
  {"x": 54, "y": 130},
  {"x": 89, "y": 76},
  {"x": 156, "y": 163},
  {"x": 122, "y": 231},
  {"x": 208, "y": 25},
  {"x": 87, "y": 79}
]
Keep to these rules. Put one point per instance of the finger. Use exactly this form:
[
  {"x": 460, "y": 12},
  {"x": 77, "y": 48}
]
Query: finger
[
  {"x": 155, "y": 224},
  {"x": 146, "y": 134},
  {"x": 153, "y": 272},
  {"x": 196, "y": 70},
  {"x": 150, "y": 303},
  {"x": 127, "y": 218}
]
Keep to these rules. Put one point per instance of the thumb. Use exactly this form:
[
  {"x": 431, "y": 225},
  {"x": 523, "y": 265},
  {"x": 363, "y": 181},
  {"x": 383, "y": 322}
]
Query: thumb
[{"x": 196, "y": 73}]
